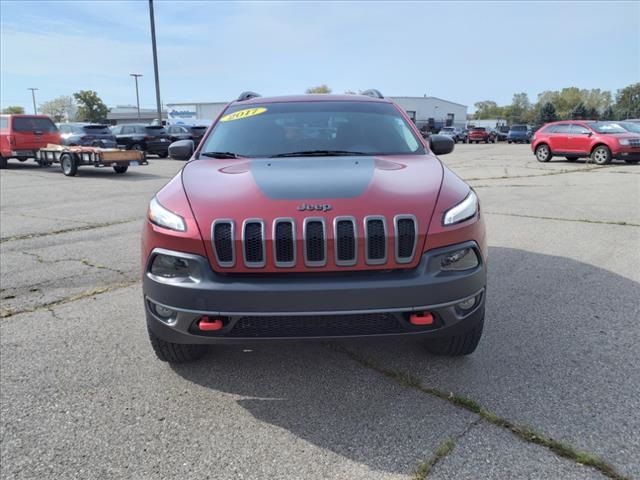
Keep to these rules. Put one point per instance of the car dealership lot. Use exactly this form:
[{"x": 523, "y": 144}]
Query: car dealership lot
[{"x": 82, "y": 395}]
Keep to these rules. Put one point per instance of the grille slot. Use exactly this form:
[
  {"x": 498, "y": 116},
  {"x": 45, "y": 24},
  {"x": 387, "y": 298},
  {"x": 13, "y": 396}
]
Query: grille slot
[
  {"x": 284, "y": 243},
  {"x": 346, "y": 243},
  {"x": 376, "y": 240},
  {"x": 223, "y": 247},
  {"x": 253, "y": 243},
  {"x": 315, "y": 246},
  {"x": 405, "y": 238},
  {"x": 316, "y": 325}
]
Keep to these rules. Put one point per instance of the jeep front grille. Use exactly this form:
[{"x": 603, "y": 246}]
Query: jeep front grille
[{"x": 306, "y": 243}]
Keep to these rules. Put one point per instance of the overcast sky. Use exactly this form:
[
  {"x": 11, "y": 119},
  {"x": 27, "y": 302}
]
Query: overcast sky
[{"x": 210, "y": 51}]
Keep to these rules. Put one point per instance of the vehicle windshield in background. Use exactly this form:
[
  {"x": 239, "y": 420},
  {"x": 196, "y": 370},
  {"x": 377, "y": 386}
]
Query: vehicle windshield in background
[
  {"x": 630, "y": 126},
  {"x": 447, "y": 130},
  {"x": 34, "y": 124},
  {"x": 96, "y": 129},
  {"x": 312, "y": 128},
  {"x": 519, "y": 128},
  {"x": 478, "y": 129},
  {"x": 607, "y": 127}
]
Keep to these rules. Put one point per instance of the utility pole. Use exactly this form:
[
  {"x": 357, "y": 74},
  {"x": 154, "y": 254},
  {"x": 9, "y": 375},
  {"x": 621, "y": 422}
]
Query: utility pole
[
  {"x": 135, "y": 76},
  {"x": 155, "y": 61},
  {"x": 33, "y": 97}
]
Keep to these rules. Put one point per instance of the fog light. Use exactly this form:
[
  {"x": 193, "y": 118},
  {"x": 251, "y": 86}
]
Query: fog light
[
  {"x": 458, "y": 260},
  {"x": 168, "y": 266},
  {"x": 467, "y": 304},
  {"x": 164, "y": 312}
]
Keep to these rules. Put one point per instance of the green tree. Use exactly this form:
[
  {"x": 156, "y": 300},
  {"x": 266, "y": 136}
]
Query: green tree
[
  {"x": 579, "y": 112},
  {"x": 592, "y": 113},
  {"x": 488, "y": 109},
  {"x": 608, "y": 114},
  {"x": 520, "y": 106},
  {"x": 90, "y": 107},
  {"x": 547, "y": 113},
  {"x": 628, "y": 102},
  {"x": 13, "y": 110},
  {"x": 319, "y": 89},
  {"x": 60, "y": 108}
]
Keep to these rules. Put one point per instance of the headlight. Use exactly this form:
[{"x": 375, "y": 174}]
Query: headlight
[
  {"x": 463, "y": 211},
  {"x": 458, "y": 260},
  {"x": 164, "y": 218},
  {"x": 624, "y": 141}
]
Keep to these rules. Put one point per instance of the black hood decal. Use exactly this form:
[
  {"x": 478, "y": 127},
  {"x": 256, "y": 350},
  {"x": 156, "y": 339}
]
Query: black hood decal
[{"x": 313, "y": 177}]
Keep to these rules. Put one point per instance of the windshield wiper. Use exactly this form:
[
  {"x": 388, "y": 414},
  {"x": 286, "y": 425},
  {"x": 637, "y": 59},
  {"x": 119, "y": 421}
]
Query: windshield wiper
[
  {"x": 220, "y": 154},
  {"x": 319, "y": 153}
]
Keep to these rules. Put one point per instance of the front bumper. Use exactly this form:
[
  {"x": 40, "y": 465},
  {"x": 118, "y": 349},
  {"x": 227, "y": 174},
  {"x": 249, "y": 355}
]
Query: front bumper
[
  {"x": 627, "y": 154},
  {"x": 293, "y": 299}
]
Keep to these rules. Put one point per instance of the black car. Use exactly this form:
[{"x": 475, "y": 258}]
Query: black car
[
  {"x": 501, "y": 133},
  {"x": 149, "y": 138},
  {"x": 86, "y": 135},
  {"x": 187, "y": 132}
]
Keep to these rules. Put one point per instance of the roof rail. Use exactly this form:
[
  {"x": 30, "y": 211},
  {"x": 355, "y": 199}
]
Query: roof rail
[
  {"x": 372, "y": 92},
  {"x": 247, "y": 95}
]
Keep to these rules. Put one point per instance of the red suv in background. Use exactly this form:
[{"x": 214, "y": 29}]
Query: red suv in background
[
  {"x": 21, "y": 136},
  {"x": 601, "y": 141},
  {"x": 481, "y": 134}
]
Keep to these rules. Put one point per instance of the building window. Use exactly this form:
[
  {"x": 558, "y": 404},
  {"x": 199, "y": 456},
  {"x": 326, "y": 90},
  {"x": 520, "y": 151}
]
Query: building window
[
  {"x": 412, "y": 115},
  {"x": 450, "y": 117}
]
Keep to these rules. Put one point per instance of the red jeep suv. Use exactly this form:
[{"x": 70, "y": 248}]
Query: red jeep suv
[
  {"x": 573, "y": 139},
  {"x": 313, "y": 216}
]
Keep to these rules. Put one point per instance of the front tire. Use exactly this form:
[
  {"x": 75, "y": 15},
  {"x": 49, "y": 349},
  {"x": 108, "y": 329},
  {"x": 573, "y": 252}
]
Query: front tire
[
  {"x": 457, "y": 345},
  {"x": 3, "y": 162},
  {"x": 68, "y": 164},
  {"x": 632, "y": 162},
  {"x": 543, "y": 153},
  {"x": 601, "y": 155},
  {"x": 163, "y": 154},
  {"x": 121, "y": 168},
  {"x": 175, "y": 352}
]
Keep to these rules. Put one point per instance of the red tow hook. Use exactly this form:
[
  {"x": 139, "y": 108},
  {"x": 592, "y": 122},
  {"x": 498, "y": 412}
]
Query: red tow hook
[
  {"x": 421, "y": 318},
  {"x": 207, "y": 324}
]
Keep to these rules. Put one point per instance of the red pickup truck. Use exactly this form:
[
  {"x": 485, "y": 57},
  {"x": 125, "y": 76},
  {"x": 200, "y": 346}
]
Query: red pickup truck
[{"x": 21, "y": 136}]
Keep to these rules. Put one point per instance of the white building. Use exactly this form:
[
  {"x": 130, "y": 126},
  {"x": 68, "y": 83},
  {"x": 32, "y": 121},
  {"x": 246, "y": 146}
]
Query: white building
[{"x": 422, "y": 110}]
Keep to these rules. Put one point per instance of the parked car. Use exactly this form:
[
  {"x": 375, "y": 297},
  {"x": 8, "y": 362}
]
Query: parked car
[
  {"x": 186, "y": 132},
  {"x": 456, "y": 134},
  {"x": 21, "y": 136},
  {"x": 501, "y": 132},
  {"x": 313, "y": 185},
  {"x": 148, "y": 138},
  {"x": 519, "y": 134},
  {"x": 86, "y": 134},
  {"x": 573, "y": 139},
  {"x": 481, "y": 134}
]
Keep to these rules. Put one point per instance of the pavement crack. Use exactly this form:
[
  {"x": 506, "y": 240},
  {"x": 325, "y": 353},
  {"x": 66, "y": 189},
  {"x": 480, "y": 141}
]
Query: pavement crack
[
  {"x": 546, "y": 174},
  {"x": 82, "y": 228},
  {"x": 6, "y": 313},
  {"x": 579, "y": 220},
  {"x": 523, "y": 432},
  {"x": 83, "y": 261}
]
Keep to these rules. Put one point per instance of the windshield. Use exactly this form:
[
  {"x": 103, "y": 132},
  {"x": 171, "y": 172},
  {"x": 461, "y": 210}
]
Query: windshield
[
  {"x": 478, "y": 129},
  {"x": 447, "y": 130},
  {"x": 631, "y": 127},
  {"x": 607, "y": 127},
  {"x": 334, "y": 127},
  {"x": 519, "y": 128}
]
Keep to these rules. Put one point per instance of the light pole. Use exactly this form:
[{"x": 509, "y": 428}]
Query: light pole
[
  {"x": 155, "y": 61},
  {"x": 33, "y": 97},
  {"x": 135, "y": 76}
]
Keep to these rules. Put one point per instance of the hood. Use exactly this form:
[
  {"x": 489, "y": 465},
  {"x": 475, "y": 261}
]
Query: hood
[{"x": 302, "y": 187}]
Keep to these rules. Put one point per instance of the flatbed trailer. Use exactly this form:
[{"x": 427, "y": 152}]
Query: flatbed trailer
[{"x": 70, "y": 158}]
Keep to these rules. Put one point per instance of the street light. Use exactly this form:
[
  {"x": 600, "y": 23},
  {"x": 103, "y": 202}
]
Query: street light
[
  {"x": 135, "y": 76},
  {"x": 33, "y": 96},
  {"x": 155, "y": 60}
]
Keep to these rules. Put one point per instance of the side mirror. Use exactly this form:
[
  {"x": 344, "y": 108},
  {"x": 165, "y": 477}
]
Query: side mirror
[
  {"x": 441, "y": 144},
  {"x": 181, "y": 150}
]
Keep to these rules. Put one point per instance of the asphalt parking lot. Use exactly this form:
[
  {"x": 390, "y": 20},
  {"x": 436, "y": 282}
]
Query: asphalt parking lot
[{"x": 554, "y": 384}]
